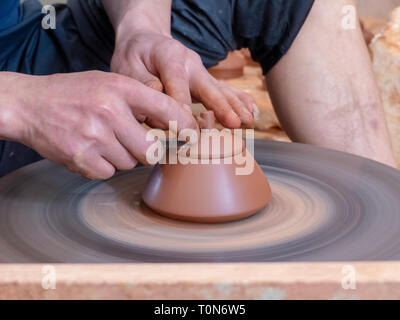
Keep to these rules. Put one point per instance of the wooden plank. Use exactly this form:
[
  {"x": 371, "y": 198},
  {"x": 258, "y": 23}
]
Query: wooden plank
[{"x": 373, "y": 280}]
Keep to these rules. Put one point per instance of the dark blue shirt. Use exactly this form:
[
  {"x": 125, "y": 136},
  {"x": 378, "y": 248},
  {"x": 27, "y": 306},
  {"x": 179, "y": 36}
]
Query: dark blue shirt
[{"x": 9, "y": 13}]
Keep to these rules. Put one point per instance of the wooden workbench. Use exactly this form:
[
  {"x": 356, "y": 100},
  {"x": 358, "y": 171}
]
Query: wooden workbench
[{"x": 374, "y": 280}]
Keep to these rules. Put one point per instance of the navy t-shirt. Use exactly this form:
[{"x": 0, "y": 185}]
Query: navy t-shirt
[{"x": 9, "y": 13}]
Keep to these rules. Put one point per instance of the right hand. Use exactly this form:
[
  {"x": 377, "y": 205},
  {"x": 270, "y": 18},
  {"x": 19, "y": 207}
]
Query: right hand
[
  {"x": 146, "y": 51},
  {"x": 166, "y": 65},
  {"x": 90, "y": 121}
]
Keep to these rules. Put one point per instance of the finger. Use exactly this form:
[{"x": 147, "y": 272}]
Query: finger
[
  {"x": 134, "y": 138},
  {"x": 156, "y": 106},
  {"x": 238, "y": 106},
  {"x": 245, "y": 97},
  {"x": 92, "y": 166},
  {"x": 153, "y": 82},
  {"x": 152, "y": 123},
  {"x": 118, "y": 156},
  {"x": 205, "y": 89},
  {"x": 138, "y": 71},
  {"x": 250, "y": 103},
  {"x": 175, "y": 80}
]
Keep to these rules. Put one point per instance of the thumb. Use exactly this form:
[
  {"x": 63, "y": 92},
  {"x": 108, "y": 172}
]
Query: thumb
[
  {"x": 152, "y": 82},
  {"x": 141, "y": 74}
]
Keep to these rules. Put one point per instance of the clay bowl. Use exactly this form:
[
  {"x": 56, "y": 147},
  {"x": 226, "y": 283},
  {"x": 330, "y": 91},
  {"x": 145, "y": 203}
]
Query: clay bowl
[{"x": 208, "y": 192}]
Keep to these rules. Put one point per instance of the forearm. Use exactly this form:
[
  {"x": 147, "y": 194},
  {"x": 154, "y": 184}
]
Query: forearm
[
  {"x": 324, "y": 89},
  {"x": 10, "y": 91},
  {"x": 134, "y": 15}
]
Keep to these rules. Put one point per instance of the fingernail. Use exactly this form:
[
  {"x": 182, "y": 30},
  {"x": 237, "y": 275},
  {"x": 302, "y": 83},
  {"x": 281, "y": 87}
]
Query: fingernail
[
  {"x": 256, "y": 111},
  {"x": 255, "y": 107}
]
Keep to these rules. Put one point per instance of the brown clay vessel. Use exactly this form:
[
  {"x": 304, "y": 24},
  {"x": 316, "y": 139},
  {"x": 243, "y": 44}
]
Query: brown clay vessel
[{"x": 208, "y": 192}]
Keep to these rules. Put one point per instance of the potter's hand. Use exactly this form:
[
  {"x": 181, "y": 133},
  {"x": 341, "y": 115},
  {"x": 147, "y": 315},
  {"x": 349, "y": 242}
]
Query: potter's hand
[
  {"x": 89, "y": 121},
  {"x": 146, "y": 52}
]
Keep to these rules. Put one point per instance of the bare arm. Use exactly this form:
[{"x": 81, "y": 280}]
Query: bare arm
[{"x": 324, "y": 89}]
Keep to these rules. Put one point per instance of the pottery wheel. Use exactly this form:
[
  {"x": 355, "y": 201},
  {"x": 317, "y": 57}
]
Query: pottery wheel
[{"x": 326, "y": 206}]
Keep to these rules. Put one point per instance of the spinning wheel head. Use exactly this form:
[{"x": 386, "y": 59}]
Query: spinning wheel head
[{"x": 325, "y": 206}]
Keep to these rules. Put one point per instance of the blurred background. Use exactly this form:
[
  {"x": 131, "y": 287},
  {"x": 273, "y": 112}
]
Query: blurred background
[
  {"x": 53, "y": 1},
  {"x": 377, "y": 8}
]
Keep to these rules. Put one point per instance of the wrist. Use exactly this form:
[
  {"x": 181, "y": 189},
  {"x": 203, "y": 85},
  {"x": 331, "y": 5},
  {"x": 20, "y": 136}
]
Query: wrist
[
  {"x": 10, "y": 104},
  {"x": 141, "y": 22},
  {"x": 129, "y": 16}
]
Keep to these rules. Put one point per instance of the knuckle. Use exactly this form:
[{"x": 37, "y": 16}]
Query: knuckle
[
  {"x": 174, "y": 45},
  {"x": 179, "y": 70},
  {"x": 93, "y": 135},
  {"x": 106, "y": 111},
  {"x": 76, "y": 158},
  {"x": 70, "y": 151}
]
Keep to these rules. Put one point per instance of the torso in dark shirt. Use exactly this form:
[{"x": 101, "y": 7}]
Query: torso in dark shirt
[{"x": 9, "y": 13}]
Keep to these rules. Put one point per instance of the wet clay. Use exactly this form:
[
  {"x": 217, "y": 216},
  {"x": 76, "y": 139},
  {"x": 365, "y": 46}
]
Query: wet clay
[{"x": 210, "y": 190}]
